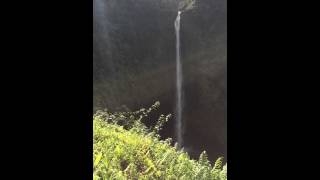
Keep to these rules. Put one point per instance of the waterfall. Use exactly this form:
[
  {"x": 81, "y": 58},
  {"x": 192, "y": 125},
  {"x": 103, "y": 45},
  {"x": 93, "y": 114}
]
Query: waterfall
[{"x": 179, "y": 125}]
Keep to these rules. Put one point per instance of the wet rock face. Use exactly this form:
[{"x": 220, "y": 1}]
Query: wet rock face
[{"x": 134, "y": 64}]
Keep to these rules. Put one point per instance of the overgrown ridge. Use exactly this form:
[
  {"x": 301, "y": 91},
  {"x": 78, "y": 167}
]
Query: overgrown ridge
[{"x": 124, "y": 148}]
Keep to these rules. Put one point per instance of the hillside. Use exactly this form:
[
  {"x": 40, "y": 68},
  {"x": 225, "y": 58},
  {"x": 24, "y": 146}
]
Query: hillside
[{"x": 124, "y": 148}]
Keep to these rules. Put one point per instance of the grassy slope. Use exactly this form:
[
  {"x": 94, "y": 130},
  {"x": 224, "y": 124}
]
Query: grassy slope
[{"x": 137, "y": 154}]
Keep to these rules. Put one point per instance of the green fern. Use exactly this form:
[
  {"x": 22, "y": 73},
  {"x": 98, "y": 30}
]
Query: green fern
[{"x": 124, "y": 148}]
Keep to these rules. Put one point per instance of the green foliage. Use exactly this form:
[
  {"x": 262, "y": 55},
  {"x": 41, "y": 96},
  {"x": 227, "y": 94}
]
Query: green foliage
[{"x": 124, "y": 148}]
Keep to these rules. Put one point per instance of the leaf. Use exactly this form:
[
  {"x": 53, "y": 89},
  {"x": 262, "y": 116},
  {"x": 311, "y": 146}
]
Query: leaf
[
  {"x": 95, "y": 177},
  {"x": 97, "y": 160}
]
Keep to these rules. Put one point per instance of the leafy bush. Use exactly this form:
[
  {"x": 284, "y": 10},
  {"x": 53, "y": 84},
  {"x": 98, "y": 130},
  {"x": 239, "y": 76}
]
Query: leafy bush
[{"x": 124, "y": 148}]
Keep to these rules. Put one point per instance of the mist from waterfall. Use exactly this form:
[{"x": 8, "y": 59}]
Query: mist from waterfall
[{"x": 179, "y": 105}]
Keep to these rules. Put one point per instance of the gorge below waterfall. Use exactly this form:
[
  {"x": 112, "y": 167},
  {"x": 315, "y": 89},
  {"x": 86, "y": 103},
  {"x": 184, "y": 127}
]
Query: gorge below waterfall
[{"x": 135, "y": 61}]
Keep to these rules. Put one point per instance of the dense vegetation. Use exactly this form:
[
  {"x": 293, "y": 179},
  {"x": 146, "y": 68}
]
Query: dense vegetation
[{"x": 124, "y": 148}]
